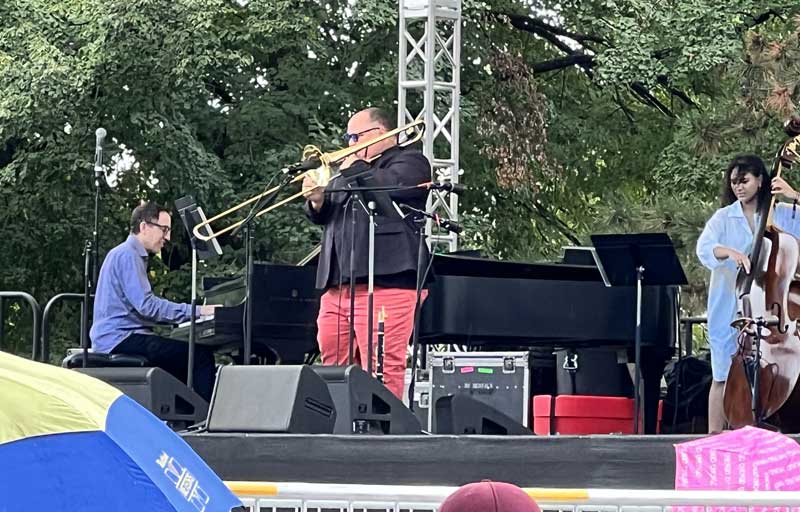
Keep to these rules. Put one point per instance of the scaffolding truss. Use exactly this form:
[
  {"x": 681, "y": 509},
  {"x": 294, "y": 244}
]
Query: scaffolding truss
[{"x": 429, "y": 88}]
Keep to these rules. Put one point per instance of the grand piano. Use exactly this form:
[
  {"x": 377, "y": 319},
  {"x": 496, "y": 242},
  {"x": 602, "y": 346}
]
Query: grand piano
[
  {"x": 285, "y": 303},
  {"x": 488, "y": 304},
  {"x": 285, "y": 307},
  {"x": 476, "y": 302}
]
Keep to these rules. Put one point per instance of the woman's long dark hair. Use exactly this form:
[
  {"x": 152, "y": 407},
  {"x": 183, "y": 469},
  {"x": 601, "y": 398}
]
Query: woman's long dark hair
[{"x": 739, "y": 166}]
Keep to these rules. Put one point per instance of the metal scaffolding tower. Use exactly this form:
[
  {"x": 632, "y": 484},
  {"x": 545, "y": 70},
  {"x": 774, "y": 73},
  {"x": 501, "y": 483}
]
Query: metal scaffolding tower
[{"x": 429, "y": 88}]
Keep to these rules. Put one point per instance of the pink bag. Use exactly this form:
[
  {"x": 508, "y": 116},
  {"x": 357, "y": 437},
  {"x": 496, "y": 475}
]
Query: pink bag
[{"x": 748, "y": 459}]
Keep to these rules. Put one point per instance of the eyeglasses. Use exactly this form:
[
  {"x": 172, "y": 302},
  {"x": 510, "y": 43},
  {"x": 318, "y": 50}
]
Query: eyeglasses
[
  {"x": 164, "y": 229},
  {"x": 348, "y": 137}
]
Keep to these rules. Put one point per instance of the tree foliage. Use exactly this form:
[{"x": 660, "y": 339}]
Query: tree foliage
[{"x": 577, "y": 117}]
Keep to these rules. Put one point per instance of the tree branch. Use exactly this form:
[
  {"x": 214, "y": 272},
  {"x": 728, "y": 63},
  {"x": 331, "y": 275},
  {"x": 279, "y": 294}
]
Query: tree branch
[
  {"x": 586, "y": 62},
  {"x": 624, "y": 108},
  {"x": 564, "y": 62},
  {"x": 539, "y": 25},
  {"x": 542, "y": 213},
  {"x": 763, "y": 17},
  {"x": 557, "y": 223},
  {"x": 647, "y": 97},
  {"x": 662, "y": 80},
  {"x": 542, "y": 30}
]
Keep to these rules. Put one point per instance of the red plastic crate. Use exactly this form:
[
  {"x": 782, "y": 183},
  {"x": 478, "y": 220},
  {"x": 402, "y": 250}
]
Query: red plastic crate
[{"x": 580, "y": 414}]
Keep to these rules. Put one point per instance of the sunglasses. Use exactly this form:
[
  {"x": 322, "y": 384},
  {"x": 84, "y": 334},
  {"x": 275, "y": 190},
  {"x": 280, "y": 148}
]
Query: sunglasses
[
  {"x": 353, "y": 137},
  {"x": 164, "y": 229}
]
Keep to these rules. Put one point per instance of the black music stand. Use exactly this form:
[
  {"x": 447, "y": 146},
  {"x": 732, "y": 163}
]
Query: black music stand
[
  {"x": 636, "y": 260},
  {"x": 192, "y": 215}
]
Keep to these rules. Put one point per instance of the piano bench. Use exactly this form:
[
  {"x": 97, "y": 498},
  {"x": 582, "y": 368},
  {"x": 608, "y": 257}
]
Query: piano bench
[{"x": 74, "y": 359}]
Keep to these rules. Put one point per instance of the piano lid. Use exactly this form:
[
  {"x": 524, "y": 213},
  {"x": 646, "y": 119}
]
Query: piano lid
[{"x": 451, "y": 265}]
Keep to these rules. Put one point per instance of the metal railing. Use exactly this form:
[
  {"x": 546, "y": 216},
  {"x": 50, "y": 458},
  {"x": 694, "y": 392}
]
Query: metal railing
[
  {"x": 308, "y": 497},
  {"x": 37, "y": 317},
  {"x": 45, "y": 341},
  {"x": 687, "y": 324}
]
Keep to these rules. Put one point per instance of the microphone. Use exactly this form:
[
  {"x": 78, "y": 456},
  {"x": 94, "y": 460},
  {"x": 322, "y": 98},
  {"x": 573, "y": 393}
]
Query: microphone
[
  {"x": 306, "y": 165},
  {"x": 449, "y": 186},
  {"x": 100, "y": 137},
  {"x": 450, "y": 225}
]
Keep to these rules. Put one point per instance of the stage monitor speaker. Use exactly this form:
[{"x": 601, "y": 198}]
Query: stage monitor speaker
[
  {"x": 462, "y": 414},
  {"x": 156, "y": 390},
  {"x": 287, "y": 399},
  {"x": 364, "y": 405}
]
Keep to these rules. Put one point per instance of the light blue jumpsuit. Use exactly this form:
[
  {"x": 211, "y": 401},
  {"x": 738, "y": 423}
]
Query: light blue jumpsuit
[{"x": 728, "y": 227}]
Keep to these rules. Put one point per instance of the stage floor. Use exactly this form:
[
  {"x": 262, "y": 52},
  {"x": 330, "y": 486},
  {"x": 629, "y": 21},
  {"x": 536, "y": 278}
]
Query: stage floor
[{"x": 597, "y": 461}]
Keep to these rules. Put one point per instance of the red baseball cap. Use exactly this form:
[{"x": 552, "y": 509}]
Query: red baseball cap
[{"x": 489, "y": 497}]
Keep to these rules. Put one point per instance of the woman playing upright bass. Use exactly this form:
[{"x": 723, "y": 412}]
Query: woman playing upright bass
[{"x": 724, "y": 246}]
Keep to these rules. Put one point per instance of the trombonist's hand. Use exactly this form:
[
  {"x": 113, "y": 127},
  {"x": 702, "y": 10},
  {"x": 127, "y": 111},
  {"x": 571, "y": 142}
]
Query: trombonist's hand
[
  {"x": 313, "y": 192},
  {"x": 349, "y": 160},
  {"x": 779, "y": 186}
]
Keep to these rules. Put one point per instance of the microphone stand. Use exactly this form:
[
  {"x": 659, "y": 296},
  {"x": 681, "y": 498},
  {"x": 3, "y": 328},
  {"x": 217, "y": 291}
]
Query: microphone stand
[
  {"x": 351, "y": 285},
  {"x": 371, "y": 208},
  {"x": 248, "y": 243},
  {"x": 87, "y": 291},
  {"x": 192, "y": 322},
  {"x": 352, "y": 277},
  {"x": 90, "y": 253},
  {"x": 422, "y": 276},
  {"x": 352, "y": 282},
  {"x": 449, "y": 225}
]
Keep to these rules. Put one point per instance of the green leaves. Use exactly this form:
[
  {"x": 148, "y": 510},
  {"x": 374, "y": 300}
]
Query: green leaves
[{"x": 211, "y": 97}]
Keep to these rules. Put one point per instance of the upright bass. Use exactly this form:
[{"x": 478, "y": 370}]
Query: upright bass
[{"x": 761, "y": 388}]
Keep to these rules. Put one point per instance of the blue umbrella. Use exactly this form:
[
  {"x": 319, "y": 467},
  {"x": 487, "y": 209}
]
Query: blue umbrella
[{"x": 71, "y": 442}]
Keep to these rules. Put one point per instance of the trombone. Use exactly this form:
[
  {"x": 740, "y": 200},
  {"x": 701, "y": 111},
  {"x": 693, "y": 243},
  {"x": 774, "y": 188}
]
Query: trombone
[{"x": 321, "y": 176}]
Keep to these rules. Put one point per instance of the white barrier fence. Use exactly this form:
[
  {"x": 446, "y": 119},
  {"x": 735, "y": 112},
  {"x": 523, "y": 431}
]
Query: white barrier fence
[{"x": 309, "y": 497}]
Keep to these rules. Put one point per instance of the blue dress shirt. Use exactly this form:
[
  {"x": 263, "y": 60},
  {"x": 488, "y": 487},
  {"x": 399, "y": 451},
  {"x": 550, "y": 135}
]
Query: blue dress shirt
[
  {"x": 124, "y": 302},
  {"x": 728, "y": 227}
]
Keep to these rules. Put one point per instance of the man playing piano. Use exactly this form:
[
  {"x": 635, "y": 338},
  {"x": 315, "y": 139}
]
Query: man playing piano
[
  {"x": 396, "y": 250},
  {"x": 125, "y": 309}
]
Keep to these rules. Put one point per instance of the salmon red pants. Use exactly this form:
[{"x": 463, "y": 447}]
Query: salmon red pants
[{"x": 333, "y": 328}]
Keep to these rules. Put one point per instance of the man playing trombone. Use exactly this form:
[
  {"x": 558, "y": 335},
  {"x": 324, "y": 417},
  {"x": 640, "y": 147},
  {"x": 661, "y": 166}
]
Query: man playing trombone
[{"x": 396, "y": 248}]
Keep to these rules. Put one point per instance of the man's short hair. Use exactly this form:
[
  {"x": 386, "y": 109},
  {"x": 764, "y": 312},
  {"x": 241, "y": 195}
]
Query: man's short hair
[
  {"x": 381, "y": 117},
  {"x": 147, "y": 211}
]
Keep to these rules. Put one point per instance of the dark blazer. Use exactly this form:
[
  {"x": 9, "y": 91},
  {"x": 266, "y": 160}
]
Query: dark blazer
[{"x": 396, "y": 241}]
